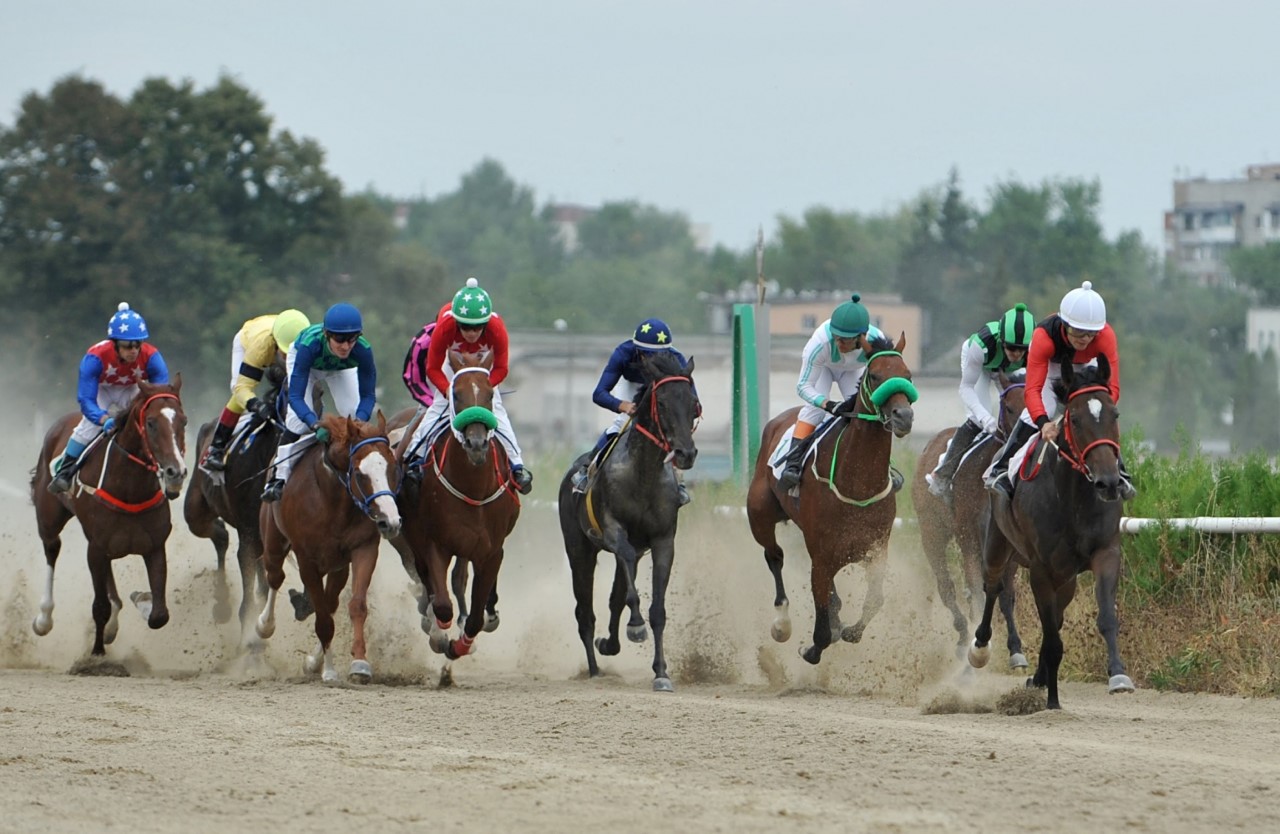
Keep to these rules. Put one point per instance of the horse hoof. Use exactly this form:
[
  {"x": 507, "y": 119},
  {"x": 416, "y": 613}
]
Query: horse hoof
[
  {"x": 1119, "y": 683},
  {"x": 811, "y": 654},
  {"x": 637, "y": 634},
  {"x": 851, "y": 634},
  {"x": 302, "y": 607},
  {"x": 312, "y": 663},
  {"x": 42, "y": 624},
  {"x": 780, "y": 631},
  {"x": 491, "y": 622},
  {"x": 979, "y": 655},
  {"x": 361, "y": 672},
  {"x": 605, "y": 647},
  {"x": 1018, "y": 660},
  {"x": 438, "y": 641},
  {"x": 329, "y": 675},
  {"x": 142, "y": 601},
  {"x": 663, "y": 685}
]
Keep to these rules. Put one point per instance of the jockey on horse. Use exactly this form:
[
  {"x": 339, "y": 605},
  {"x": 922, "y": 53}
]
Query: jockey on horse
[
  {"x": 467, "y": 324},
  {"x": 109, "y": 375},
  {"x": 998, "y": 347},
  {"x": 1078, "y": 334},
  {"x": 624, "y": 374},
  {"x": 336, "y": 355},
  {"x": 832, "y": 354},
  {"x": 253, "y": 349}
]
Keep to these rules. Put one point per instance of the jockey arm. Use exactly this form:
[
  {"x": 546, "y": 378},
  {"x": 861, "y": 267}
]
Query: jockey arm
[
  {"x": 446, "y": 334},
  {"x": 972, "y": 372},
  {"x": 367, "y": 374},
  {"x": 610, "y": 377},
  {"x": 304, "y": 358},
  {"x": 1105, "y": 344},
  {"x": 1039, "y": 355},
  {"x": 87, "y": 389},
  {"x": 157, "y": 370},
  {"x": 495, "y": 334},
  {"x": 811, "y": 361}
]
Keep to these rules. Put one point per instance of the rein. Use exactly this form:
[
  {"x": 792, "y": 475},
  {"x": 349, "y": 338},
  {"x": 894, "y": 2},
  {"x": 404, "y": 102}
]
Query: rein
[
  {"x": 830, "y": 480},
  {"x": 364, "y": 502},
  {"x": 873, "y": 400},
  {"x": 149, "y": 463},
  {"x": 1004, "y": 408},
  {"x": 464, "y": 418}
]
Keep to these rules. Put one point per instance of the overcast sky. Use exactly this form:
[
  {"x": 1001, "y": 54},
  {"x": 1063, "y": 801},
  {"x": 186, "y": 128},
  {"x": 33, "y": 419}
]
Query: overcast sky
[{"x": 732, "y": 112}]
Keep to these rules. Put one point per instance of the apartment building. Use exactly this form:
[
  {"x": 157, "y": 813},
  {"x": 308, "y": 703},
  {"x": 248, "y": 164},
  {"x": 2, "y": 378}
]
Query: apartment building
[{"x": 1212, "y": 217}]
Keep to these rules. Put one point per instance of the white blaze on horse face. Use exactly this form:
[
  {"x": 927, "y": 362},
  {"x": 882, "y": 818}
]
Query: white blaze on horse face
[
  {"x": 374, "y": 467},
  {"x": 172, "y": 416},
  {"x": 1095, "y": 408}
]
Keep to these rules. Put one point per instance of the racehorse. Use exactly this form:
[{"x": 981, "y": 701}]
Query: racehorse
[
  {"x": 1063, "y": 519},
  {"x": 121, "y": 496},
  {"x": 960, "y": 518},
  {"x": 465, "y": 507},
  {"x": 630, "y": 506},
  {"x": 340, "y": 498},
  {"x": 846, "y": 502},
  {"x": 234, "y": 496}
]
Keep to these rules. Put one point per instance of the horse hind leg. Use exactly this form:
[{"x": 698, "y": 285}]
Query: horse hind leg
[
  {"x": 582, "y": 568},
  {"x": 876, "y": 567},
  {"x": 663, "y": 557},
  {"x": 765, "y": 533},
  {"x": 1017, "y": 660},
  {"x": 325, "y": 592},
  {"x": 51, "y": 518},
  {"x": 822, "y": 588},
  {"x": 363, "y": 562}
]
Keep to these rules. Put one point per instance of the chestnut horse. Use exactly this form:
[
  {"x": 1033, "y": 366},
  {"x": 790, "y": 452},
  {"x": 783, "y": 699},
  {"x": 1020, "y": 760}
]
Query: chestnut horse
[
  {"x": 960, "y": 518},
  {"x": 630, "y": 507},
  {"x": 1063, "y": 519},
  {"x": 234, "y": 496},
  {"x": 846, "y": 503},
  {"x": 119, "y": 496},
  {"x": 465, "y": 507},
  {"x": 340, "y": 498}
]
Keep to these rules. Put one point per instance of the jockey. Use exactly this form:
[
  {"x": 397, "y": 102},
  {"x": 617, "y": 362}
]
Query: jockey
[
  {"x": 253, "y": 349},
  {"x": 999, "y": 347},
  {"x": 468, "y": 324},
  {"x": 1079, "y": 333},
  {"x": 623, "y": 374},
  {"x": 832, "y": 354},
  {"x": 109, "y": 374},
  {"x": 335, "y": 355}
]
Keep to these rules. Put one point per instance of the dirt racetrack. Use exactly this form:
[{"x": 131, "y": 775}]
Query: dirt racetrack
[{"x": 205, "y": 736}]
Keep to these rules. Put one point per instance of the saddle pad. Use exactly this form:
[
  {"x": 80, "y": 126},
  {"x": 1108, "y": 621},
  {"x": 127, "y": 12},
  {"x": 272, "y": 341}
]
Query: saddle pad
[
  {"x": 778, "y": 457},
  {"x": 1015, "y": 462}
]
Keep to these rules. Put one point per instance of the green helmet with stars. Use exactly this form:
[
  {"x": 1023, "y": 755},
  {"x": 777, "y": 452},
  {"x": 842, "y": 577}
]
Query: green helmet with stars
[{"x": 471, "y": 304}]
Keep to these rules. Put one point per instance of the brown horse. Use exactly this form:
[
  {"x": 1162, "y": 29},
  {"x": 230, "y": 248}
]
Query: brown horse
[
  {"x": 234, "y": 497},
  {"x": 338, "y": 501},
  {"x": 119, "y": 495},
  {"x": 960, "y": 518},
  {"x": 846, "y": 504},
  {"x": 464, "y": 508},
  {"x": 1063, "y": 519}
]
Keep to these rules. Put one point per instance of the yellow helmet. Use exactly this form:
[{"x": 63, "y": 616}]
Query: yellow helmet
[{"x": 287, "y": 327}]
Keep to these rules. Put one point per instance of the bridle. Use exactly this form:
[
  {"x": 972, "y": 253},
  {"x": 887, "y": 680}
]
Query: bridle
[
  {"x": 148, "y": 460},
  {"x": 1004, "y": 408},
  {"x": 1070, "y": 449},
  {"x": 874, "y": 399},
  {"x": 352, "y": 483},
  {"x": 660, "y": 439}
]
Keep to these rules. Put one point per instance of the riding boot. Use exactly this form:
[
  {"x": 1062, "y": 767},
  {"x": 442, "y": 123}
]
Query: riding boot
[
  {"x": 65, "y": 469},
  {"x": 283, "y": 465},
  {"x": 960, "y": 443},
  {"x": 1022, "y": 432},
  {"x": 794, "y": 469},
  {"x": 215, "y": 456},
  {"x": 579, "y": 479},
  {"x": 583, "y": 473}
]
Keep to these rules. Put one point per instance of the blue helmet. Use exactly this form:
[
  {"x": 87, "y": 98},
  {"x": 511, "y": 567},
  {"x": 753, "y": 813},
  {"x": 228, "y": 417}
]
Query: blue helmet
[
  {"x": 652, "y": 334},
  {"x": 343, "y": 318},
  {"x": 126, "y": 325}
]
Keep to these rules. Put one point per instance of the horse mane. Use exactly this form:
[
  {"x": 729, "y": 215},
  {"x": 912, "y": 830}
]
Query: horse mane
[
  {"x": 879, "y": 343},
  {"x": 662, "y": 364}
]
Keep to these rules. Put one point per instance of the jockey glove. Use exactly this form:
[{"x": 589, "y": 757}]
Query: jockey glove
[
  {"x": 830, "y": 406},
  {"x": 322, "y": 434},
  {"x": 109, "y": 426},
  {"x": 259, "y": 408}
]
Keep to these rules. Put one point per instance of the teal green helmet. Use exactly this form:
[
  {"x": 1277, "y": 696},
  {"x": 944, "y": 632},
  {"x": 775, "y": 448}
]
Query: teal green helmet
[
  {"x": 1016, "y": 327},
  {"x": 850, "y": 319}
]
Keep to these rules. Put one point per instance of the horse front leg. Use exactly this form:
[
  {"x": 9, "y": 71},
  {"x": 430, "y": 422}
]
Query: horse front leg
[
  {"x": 324, "y": 594},
  {"x": 627, "y": 559},
  {"x": 877, "y": 567},
  {"x": 1106, "y": 572},
  {"x": 482, "y": 585},
  {"x": 996, "y": 552},
  {"x": 1008, "y": 599},
  {"x": 1052, "y": 604},
  {"x": 663, "y": 554},
  {"x": 253, "y": 579},
  {"x": 611, "y": 644},
  {"x": 823, "y": 583},
  {"x": 100, "y": 573},
  {"x": 441, "y": 599},
  {"x": 458, "y": 584},
  {"x": 363, "y": 562},
  {"x": 151, "y": 604}
]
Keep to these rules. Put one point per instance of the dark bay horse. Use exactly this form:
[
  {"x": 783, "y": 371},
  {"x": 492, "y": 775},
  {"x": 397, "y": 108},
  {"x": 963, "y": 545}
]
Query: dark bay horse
[
  {"x": 121, "y": 497},
  {"x": 464, "y": 508},
  {"x": 234, "y": 496},
  {"x": 847, "y": 504},
  {"x": 960, "y": 519},
  {"x": 631, "y": 506},
  {"x": 1063, "y": 520},
  {"x": 339, "y": 501}
]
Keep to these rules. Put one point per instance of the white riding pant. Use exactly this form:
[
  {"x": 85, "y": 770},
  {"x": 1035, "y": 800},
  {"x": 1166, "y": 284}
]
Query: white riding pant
[
  {"x": 114, "y": 399},
  {"x": 847, "y": 381}
]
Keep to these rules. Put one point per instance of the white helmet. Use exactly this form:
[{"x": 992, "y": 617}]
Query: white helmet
[{"x": 1084, "y": 309}]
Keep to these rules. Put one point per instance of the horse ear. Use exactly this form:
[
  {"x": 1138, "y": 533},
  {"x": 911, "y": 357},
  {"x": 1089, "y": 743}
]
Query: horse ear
[
  {"x": 688, "y": 367},
  {"x": 456, "y": 359},
  {"x": 1104, "y": 368},
  {"x": 1068, "y": 373},
  {"x": 382, "y": 422},
  {"x": 486, "y": 359},
  {"x": 902, "y": 342},
  {"x": 1002, "y": 379},
  {"x": 176, "y": 382}
]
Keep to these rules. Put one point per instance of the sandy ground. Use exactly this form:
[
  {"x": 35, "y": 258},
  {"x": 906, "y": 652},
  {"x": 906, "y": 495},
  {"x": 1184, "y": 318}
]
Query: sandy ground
[{"x": 206, "y": 736}]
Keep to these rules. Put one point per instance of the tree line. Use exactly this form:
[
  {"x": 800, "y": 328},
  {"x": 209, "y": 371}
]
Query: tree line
[{"x": 192, "y": 205}]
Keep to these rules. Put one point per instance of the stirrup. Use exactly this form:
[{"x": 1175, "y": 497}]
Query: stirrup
[
  {"x": 682, "y": 495},
  {"x": 1000, "y": 482},
  {"x": 939, "y": 485},
  {"x": 579, "y": 480},
  {"x": 790, "y": 478},
  {"x": 62, "y": 481},
  {"x": 214, "y": 459},
  {"x": 275, "y": 488}
]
